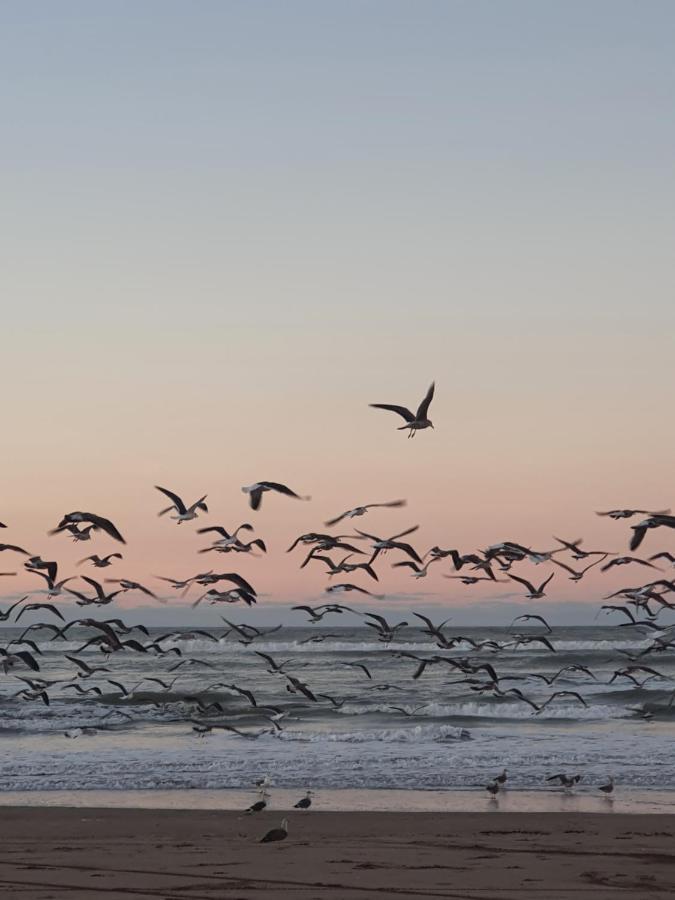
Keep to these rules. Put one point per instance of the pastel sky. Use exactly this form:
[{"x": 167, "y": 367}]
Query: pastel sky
[{"x": 229, "y": 226}]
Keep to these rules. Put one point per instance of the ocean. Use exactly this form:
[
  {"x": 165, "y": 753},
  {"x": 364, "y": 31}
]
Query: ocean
[{"x": 443, "y": 736}]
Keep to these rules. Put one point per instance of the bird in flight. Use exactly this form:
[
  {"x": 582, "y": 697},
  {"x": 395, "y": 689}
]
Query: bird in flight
[
  {"x": 362, "y": 510},
  {"x": 185, "y": 513},
  {"x": 98, "y": 522},
  {"x": 255, "y": 492},
  {"x": 413, "y": 421}
]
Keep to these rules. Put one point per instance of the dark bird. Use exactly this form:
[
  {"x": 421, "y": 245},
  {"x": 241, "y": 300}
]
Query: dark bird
[
  {"x": 381, "y": 545},
  {"x": 98, "y": 522},
  {"x": 414, "y": 421},
  {"x": 305, "y": 802},
  {"x": 527, "y": 617},
  {"x": 652, "y": 521},
  {"x": 256, "y": 491},
  {"x": 276, "y": 834},
  {"x": 533, "y": 592},
  {"x": 126, "y": 585},
  {"x": 362, "y": 510},
  {"x": 624, "y": 561},
  {"x": 629, "y": 513},
  {"x": 185, "y": 513},
  {"x": 259, "y": 805},
  {"x": 100, "y": 562},
  {"x": 13, "y": 547}
]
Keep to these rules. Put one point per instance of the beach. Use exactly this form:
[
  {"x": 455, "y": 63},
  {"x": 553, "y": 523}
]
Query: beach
[{"x": 58, "y": 853}]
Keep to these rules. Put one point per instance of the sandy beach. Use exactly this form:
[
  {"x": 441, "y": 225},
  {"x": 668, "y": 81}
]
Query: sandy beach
[{"x": 53, "y": 854}]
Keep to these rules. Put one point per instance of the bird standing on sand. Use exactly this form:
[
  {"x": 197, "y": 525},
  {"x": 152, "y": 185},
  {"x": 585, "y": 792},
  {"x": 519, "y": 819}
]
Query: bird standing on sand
[
  {"x": 261, "y": 804},
  {"x": 306, "y": 801},
  {"x": 413, "y": 421},
  {"x": 608, "y": 788},
  {"x": 276, "y": 834}
]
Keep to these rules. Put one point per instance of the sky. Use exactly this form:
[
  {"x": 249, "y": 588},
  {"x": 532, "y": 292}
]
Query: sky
[{"x": 227, "y": 227}]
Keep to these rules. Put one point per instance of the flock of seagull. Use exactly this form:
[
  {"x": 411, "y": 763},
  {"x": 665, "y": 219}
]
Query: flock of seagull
[{"x": 353, "y": 553}]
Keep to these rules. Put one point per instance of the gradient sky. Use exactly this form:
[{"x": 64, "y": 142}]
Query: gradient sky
[{"x": 229, "y": 226}]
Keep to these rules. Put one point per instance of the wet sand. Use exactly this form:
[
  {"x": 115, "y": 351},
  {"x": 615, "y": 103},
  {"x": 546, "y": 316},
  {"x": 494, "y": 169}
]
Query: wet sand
[{"x": 53, "y": 854}]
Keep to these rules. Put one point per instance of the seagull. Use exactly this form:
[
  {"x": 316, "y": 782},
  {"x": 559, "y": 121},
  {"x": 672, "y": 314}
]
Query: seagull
[
  {"x": 276, "y": 834},
  {"x": 185, "y": 513},
  {"x": 100, "y": 562},
  {"x": 306, "y": 801},
  {"x": 381, "y": 545},
  {"x": 346, "y": 587},
  {"x": 54, "y": 588},
  {"x": 255, "y": 492},
  {"x": 629, "y": 513},
  {"x": 14, "y": 548},
  {"x": 417, "y": 571},
  {"x": 362, "y": 510},
  {"x": 501, "y": 779},
  {"x": 5, "y": 614},
  {"x": 624, "y": 561},
  {"x": 653, "y": 521},
  {"x": 259, "y": 805},
  {"x": 668, "y": 556},
  {"x": 533, "y": 592},
  {"x": 416, "y": 421},
  {"x": 607, "y": 788},
  {"x": 567, "y": 781},
  {"x": 574, "y": 574},
  {"x": 77, "y": 534},
  {"x": 493, "y": 789},
  {"x": 98, "y": 522},
  {"x": 575, "y": 549},
  {"x": 528, "y": 617},
  {"x": 126, "y": 585}
]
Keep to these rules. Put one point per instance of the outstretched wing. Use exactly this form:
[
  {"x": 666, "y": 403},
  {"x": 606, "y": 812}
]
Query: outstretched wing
[
  {"x": 423, "y": 408},
  {"x": 281, "y": 489},
  {"x": 401, "y": 410},
  {"x": 174, "y": 498},
  {"x": 105, "y": 525}
]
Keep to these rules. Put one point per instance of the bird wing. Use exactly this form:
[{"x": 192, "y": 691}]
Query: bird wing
[
  {"x": 522, "y": 581},
  {"x": 280, "y": 488},
  {"x": 105, "y": 525},
  {"x": 335, "y": 520},
  {"x": 423, "y": 408},
  {"x": 174, "y": 498},
  {"x": 401, "y": 410},
  {"x": 638, "y": 535},
  {"x": 255, "y": 498}
]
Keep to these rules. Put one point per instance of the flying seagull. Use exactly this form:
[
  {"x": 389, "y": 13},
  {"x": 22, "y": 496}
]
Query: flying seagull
[
  {"x": 362, "y": 510},
  {"x": 185, "y": 513},
  {"x": 100, "y": 562},
  {"x": 416, "y": 421},
  {"x": 255, "y": 492},
  {"x": 652, "y": 521},
  {"x": 98, "y": 522},
  {"x": 533, "y": 592}
]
